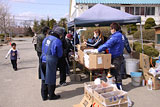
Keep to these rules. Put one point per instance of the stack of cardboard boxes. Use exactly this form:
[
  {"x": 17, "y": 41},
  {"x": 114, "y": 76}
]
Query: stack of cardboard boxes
[
  {"x": 145, "y": 65},
  {"x": 103, "y": 95},
  {"x": 91, "y": 60}
]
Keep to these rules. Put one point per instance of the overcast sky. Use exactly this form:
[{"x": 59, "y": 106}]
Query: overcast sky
[{"x": 31, "y": 9}]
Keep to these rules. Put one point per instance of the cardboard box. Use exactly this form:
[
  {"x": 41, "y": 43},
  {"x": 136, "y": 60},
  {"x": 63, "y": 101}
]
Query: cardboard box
[
  {"x": 81, "y": 56},
  {"x": 144, "y": 61},
  {"x": 100, "y": 91},
  {"x": 83, "y": 46},
  {"x": 96, "y": 103},
  {"x": 88, "y": 95},
  {"x": 97, "y": 61},
  {"x": 84, "y": 103},
  {"x": 107, "y": 61},
  {"x": 155, "y": 80},
  {"x": 90, "y": 86},
  {"x": 145, "y": 65},
  {"x": 114, "y": 97}
]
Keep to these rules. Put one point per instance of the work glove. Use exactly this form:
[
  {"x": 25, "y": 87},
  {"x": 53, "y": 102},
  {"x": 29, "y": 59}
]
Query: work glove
[{"x": 95, "y": 51}]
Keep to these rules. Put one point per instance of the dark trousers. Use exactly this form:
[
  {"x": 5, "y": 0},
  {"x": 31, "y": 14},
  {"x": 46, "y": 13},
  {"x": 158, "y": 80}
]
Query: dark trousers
[
  {"x": 39, "y": 56},
  {"x": 35, "y": 45},
  {"x": 45, "y": 88},
  {"x": 62, "y": 68},
  {"x": 14, "y": 64},
  {"x": 116, "y": 71},
  {"x": 123, "y": 69}
]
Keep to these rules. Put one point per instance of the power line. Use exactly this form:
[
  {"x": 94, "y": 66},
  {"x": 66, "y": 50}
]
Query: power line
[{"x": 27, "y": 2}]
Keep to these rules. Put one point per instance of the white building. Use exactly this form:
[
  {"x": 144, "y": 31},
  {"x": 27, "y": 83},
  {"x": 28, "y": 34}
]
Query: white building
[{"x": 144, "y": 8}]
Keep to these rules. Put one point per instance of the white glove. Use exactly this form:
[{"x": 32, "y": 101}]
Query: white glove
[{"x": 95, "y": 51}]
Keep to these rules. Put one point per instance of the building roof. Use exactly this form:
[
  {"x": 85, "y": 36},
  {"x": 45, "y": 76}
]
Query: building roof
[{"x": 118, "y": 1}]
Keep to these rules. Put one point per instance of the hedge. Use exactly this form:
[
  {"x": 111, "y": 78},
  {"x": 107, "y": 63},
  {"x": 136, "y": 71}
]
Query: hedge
[
  {"x": 152, "y": 52},
  {"x": 147, "y": 34},
  {"x": 2, "y": 36}
]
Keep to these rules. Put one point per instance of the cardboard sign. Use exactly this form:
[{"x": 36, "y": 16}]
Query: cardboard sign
[{"x": 144, "y": 61}]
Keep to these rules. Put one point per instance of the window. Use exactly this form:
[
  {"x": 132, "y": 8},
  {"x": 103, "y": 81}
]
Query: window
[
  {"x": 150, "y": 10},
  {"x": 140, "y": 10},
  {"x": 129, "y": 10},
  {"x": 137, "y": 11}
]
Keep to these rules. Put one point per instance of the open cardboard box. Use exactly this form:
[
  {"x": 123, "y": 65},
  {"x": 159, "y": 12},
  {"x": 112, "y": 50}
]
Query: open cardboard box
[
  {"x": 98, "y": 92},
  {"x": 145, "y": 65},
  {"x": 96, "y": 103},
  {"x": 113, "y": 97},
  {"x": 90, "y": 86},
  {"x": 155, "y": 80}
]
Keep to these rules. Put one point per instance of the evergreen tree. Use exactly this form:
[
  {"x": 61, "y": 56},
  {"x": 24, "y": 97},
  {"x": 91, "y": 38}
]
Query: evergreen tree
[
  {"x": 63, "y": 23},
  {"x": 52, "y": 23},
  {"x": 36, "y": 27},
  {"x": 150, "y": 22}
]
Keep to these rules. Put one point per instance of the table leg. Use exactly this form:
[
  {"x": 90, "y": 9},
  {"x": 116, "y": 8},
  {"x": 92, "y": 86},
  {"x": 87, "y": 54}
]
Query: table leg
[
  {"x": 74, "y": 67},
  {"x": 90, "y": 75}
]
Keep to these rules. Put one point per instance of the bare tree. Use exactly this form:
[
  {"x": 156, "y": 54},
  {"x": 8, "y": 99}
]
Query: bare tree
[{"x": 5, "y": 19}]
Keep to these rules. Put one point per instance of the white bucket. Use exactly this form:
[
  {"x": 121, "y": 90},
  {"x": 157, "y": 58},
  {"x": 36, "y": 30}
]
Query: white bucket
[
  {"x": 132, "y": 65},
  {"x": 136, "y": 81}
]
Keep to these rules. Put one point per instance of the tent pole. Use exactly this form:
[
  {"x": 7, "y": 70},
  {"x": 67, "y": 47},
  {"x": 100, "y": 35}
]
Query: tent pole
[
  {"x": 74, "y": 63},
  {"x": 141, "y": 37}
]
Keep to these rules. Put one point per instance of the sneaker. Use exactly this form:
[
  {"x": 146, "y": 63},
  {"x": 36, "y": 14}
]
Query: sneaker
[
  {"x": 63, "y": 84},
  {"x": 55, "y": 97}
]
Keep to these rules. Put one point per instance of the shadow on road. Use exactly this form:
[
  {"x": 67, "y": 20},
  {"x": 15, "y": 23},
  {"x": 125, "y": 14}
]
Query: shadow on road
[
  {"x": 20, "y": 40},
  {"x": 72, "y": 93},
  {"x": 25, "y": 68},
  {"x": 129, "y": 87}
]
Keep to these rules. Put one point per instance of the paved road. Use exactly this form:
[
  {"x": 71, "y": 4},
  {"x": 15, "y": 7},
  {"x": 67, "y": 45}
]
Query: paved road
[{"x": 22, "y": 88}]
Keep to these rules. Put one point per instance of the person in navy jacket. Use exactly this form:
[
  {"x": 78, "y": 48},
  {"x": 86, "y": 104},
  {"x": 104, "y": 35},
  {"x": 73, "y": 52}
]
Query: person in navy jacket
[
  {"x": 128, "y": 49},
  {"x": 97, "y": 39},
  {"x": 115, "y": 45},
  {"x": 51, "y": 51}
]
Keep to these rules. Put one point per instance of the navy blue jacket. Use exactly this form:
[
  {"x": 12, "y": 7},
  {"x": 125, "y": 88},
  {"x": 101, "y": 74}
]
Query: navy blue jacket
[
  {"x": 115, "y": 45},
  {"x": 126, "y": 44},
  {"x": 95, "y": 42},
  {"x": 56, "y": 47}
]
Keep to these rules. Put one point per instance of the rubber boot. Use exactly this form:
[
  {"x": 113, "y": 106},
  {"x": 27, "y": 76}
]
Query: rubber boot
[
  {"x": 44, "y": 91},
  {"x": 51, "y": 92},
  {"x": 119, "y": 86}
]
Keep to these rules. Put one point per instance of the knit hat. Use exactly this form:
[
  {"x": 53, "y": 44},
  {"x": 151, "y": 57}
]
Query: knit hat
[
  {"x": 59, "y": 30},
  {"x": 69, "y": 35}
]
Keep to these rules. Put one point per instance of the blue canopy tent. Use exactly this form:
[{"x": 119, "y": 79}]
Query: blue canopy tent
[{"x": 101, "y": 15}]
